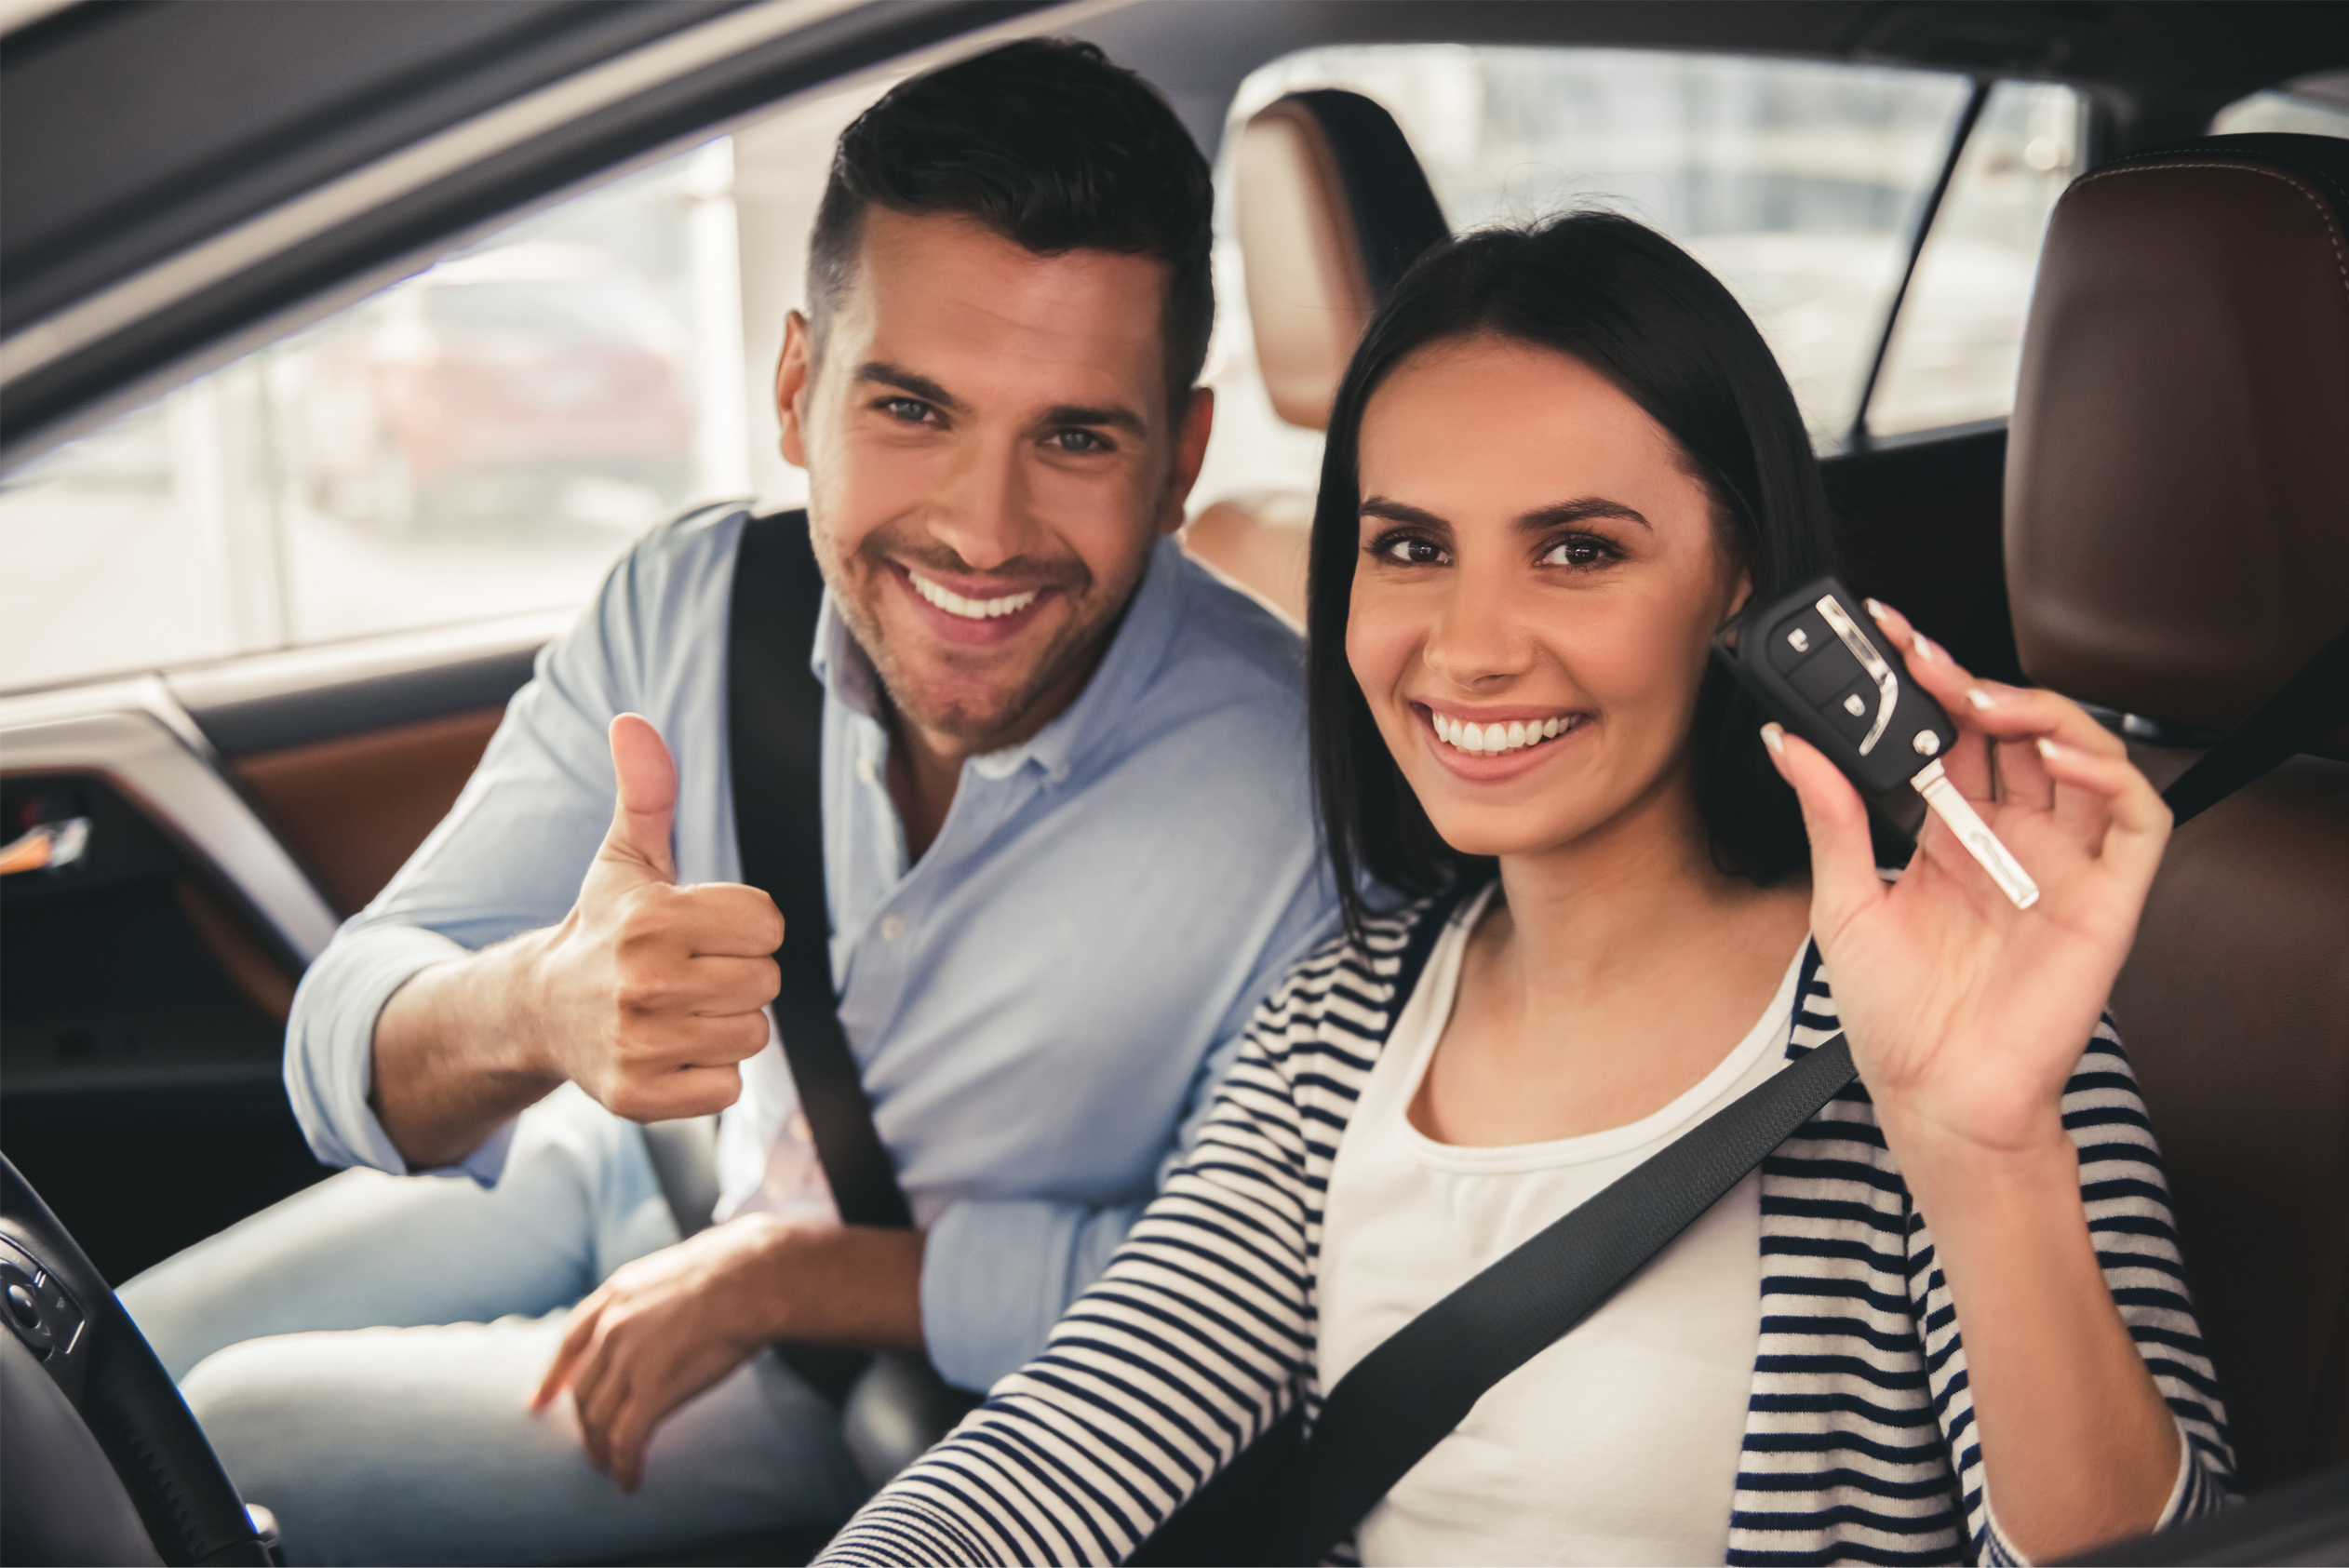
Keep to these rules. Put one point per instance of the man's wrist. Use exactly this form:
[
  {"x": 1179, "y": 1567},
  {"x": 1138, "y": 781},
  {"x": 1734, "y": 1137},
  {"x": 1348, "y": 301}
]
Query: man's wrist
[
  {"x": 513, "y": 981},
  {"x": 850, "y": 1286}
]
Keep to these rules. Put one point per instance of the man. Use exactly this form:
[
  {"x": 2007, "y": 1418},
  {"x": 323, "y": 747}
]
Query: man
[{"x": 1067, "y": 847}]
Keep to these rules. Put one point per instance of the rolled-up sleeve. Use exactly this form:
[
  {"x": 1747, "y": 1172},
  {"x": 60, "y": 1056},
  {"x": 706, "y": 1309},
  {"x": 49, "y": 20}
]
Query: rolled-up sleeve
[{"x": 507, "y": 858}]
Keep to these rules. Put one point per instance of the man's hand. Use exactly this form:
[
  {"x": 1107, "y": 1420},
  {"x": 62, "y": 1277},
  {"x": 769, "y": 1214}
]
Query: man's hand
[
  {"x": 647, "y": 995},
  {"x": 667, "y": 1326}
]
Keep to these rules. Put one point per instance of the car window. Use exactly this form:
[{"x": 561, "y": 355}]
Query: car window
[
  {"x": 1798, "y": 182},
  {"x": 1958, "y": 342},
  {"x": 482, "y": 439},
  {"x": 2312, "y": 106}
]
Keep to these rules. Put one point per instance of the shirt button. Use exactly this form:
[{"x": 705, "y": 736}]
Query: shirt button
[
  {"x": 892, "y": 928},
  {"x": 800, "y": 1130},
  {"x": 865, "y": 769}
]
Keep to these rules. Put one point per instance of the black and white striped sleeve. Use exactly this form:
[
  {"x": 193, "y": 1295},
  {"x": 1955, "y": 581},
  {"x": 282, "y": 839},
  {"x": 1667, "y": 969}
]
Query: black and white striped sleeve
[
  {"x": 2127, "y": 1196},
  {"x": 1189, "y": 1347}
]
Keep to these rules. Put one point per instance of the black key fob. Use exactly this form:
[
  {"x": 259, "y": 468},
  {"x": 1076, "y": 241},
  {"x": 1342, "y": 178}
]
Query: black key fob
[{"x": 1814, "y": 660}]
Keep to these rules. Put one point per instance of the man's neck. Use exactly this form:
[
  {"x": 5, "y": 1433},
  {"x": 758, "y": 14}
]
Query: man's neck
[{"x": 925, "y": 765}]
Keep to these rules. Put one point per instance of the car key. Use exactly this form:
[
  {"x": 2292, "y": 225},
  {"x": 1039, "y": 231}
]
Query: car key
[{"x": 1812, "y": 665}]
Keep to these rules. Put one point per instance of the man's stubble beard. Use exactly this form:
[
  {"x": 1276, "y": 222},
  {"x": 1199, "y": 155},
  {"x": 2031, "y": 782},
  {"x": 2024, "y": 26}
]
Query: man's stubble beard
[{"x": 1078, "y": 643}]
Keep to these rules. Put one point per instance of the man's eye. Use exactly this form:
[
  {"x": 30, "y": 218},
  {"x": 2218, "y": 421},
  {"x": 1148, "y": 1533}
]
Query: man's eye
[
  {"x": 1411, "y": 550},
  {"x": 910, "y": 410},
  {"x": 1581, "y": 551},
  {"x": 1075, "y": 442}
]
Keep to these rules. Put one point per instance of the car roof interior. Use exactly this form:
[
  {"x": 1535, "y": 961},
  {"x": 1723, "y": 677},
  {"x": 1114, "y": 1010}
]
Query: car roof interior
[
  {"x": 2051, "y": 547},
  {"x": 224, "y": 114}
]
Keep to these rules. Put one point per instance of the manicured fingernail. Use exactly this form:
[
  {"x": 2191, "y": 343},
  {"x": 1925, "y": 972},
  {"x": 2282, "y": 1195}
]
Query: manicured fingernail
[
  {"x": 1774, "y": 738},
  {"x": 1875, "y": 608},
  {"x": 1926, "y": 649},
  {"x": 1980, "y": 698},
  {"x": 2052, "y": 751}
]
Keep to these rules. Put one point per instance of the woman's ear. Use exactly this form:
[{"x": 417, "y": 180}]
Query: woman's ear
[{"x": 1740, "y": 594}]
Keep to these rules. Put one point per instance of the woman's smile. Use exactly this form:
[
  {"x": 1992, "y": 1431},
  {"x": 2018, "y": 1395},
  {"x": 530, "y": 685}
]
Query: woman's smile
[{"x": 1489, "y": 746}]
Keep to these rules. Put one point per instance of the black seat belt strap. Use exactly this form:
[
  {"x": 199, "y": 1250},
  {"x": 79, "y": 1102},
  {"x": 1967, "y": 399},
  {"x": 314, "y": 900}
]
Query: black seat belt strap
[
  {"x": 2308, "y": 707},
  {"x": 1289, "y": 1499},
  {"x": 1403, "y": 1397},
  {"x": 774, "y": 730}
]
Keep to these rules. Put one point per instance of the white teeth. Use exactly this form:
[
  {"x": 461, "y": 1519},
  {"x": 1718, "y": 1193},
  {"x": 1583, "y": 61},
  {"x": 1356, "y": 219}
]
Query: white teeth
[
  {"x": 971, "y": 609},
  {"x": 1487, "y": 739}
]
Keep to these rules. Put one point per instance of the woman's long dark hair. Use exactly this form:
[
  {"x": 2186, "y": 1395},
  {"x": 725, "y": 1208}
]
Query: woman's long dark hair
[{"x": 1636, "y": 308}]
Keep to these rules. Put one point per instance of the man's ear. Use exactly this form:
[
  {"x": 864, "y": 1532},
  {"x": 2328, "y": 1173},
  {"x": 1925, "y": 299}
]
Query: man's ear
[
  {"x": 1191, "y": 451},
  {"x": 793, "y": 373}
]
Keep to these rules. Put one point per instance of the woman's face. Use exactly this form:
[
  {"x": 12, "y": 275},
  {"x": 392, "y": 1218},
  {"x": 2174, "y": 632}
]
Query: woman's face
[{"x": 1538, "y": 582}]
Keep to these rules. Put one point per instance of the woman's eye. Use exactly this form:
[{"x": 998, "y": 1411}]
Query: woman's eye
[
  {"x": 1411, "y": 551},
  {"x": 1577, "y": 552}
]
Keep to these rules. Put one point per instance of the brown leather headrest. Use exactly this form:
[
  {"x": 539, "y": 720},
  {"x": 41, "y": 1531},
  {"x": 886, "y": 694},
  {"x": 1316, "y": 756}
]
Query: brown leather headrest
[
  {"x": 1332, "y": 207},
  {"x": 2177, "y": 507}
]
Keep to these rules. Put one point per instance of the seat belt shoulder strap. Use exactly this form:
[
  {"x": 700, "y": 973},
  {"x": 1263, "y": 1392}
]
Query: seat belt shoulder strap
[
  {"x": 775, "y": 731},
  {"x": 2303, "y": 711}
]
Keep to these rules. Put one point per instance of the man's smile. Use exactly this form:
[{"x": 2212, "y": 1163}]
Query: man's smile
[{"x": 969, "y": 609}]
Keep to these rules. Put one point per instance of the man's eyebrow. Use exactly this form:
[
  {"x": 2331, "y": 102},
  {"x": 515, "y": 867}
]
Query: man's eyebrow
[
  {"x": 1401, "y": 512},
  {"x": 1112, "y": 418},
  {"x": 1580, "y": 510},
  {"x": 921, "y": 386}
]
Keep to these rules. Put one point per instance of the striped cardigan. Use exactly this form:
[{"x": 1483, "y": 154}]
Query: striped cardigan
[{"x": 1858, "y": 1440}]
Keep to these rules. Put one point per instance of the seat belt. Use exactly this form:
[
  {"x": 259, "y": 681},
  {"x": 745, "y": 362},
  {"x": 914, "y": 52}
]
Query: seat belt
[
  {"x": 774, "y": 726},
  {"x": 1288, "y": 1498},
  {"x": 2303, "y": 711},
  {"x": 775, "y": 734}
]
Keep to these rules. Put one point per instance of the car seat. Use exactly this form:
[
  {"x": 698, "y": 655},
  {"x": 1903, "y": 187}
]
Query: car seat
[
  {"x": 1332, "y": 207},
  {"x": 2177, "y": 545}
]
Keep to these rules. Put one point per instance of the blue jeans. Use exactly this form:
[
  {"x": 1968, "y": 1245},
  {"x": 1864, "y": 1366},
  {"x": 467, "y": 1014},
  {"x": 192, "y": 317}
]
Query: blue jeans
[{"x": 361, "y": 1354}]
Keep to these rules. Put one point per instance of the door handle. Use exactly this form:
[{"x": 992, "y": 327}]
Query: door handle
[{"x": 47, "y": 847}]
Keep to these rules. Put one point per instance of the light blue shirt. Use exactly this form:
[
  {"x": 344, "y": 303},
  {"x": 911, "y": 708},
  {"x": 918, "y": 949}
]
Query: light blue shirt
[{"x": 1040, "y": 1006}]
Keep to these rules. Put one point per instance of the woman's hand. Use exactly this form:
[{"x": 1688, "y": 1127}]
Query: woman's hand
[{"x": 1967, "y": 1015}]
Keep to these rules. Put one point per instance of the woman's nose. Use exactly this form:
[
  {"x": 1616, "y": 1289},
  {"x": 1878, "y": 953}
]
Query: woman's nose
[{"x": 1480, "y": 635}]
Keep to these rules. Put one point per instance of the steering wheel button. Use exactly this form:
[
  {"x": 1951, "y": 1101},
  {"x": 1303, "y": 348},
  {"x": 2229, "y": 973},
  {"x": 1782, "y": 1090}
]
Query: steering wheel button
[{"x": 22, "y": 1307}]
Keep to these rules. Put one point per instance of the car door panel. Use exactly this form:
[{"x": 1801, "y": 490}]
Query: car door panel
[
  {"x": 352, "y": 809},
  {"x": 144, "y": 988}
]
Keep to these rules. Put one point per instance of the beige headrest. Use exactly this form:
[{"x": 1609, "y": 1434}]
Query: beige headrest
[
  {"x": 2177, "y": 509},
  {"x": 1332, "y": 207}
]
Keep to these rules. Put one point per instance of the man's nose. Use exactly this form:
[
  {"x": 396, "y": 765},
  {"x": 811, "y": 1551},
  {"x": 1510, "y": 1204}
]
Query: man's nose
[{"x": 982, "y": 512}]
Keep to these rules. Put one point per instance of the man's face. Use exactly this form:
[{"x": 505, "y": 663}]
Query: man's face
[{"x": 991, "y": 457}]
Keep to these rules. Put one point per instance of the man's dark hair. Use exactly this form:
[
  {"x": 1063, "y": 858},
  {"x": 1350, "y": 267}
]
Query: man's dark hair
[
  {"x": 1047, "y": 143},
  {"x": 1641, "y": 312}
]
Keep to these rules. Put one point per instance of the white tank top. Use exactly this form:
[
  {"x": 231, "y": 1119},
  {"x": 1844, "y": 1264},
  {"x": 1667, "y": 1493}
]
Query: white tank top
[{"x": 1617, "y": 1444}]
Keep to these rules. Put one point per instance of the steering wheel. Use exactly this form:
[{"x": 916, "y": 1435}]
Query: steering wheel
[{"x": 100, "y": 1459}]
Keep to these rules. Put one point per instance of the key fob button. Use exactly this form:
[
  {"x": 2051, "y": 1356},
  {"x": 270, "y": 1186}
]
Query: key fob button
[
  {"x": 1822, "y": 676},
  {"x": 1797, "y": 637},
  {"x": 1852, "y": 713}
]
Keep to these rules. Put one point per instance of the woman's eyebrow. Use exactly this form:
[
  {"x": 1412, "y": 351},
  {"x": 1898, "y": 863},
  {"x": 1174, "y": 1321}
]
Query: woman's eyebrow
[
  {"x": 1579, "y": 511},
  {"x": 1399, "y": 511}
]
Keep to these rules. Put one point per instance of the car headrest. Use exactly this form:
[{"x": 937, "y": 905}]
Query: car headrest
[
  {"x": 1333, "y": 208},
  {"x": 2177, "y": 509}
]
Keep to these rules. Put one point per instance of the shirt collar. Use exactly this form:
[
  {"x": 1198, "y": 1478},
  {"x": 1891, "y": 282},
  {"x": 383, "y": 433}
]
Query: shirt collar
[{"x": 1133, "y": 658}]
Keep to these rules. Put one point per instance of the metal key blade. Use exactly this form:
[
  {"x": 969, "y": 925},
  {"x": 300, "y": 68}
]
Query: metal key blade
[{"x": 1974, "y": 834}]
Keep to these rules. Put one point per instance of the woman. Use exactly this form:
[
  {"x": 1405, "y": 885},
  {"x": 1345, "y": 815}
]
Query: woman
[{"x": 1944, "y": 1322}]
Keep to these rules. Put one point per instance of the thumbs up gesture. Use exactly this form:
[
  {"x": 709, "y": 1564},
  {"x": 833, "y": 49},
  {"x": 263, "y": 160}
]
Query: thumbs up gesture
[{"x": 651, "y": 993}]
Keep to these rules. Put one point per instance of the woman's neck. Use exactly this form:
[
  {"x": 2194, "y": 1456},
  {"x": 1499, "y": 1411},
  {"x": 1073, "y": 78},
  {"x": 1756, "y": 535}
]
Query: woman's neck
[{"x": 1620, "y": 968}]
